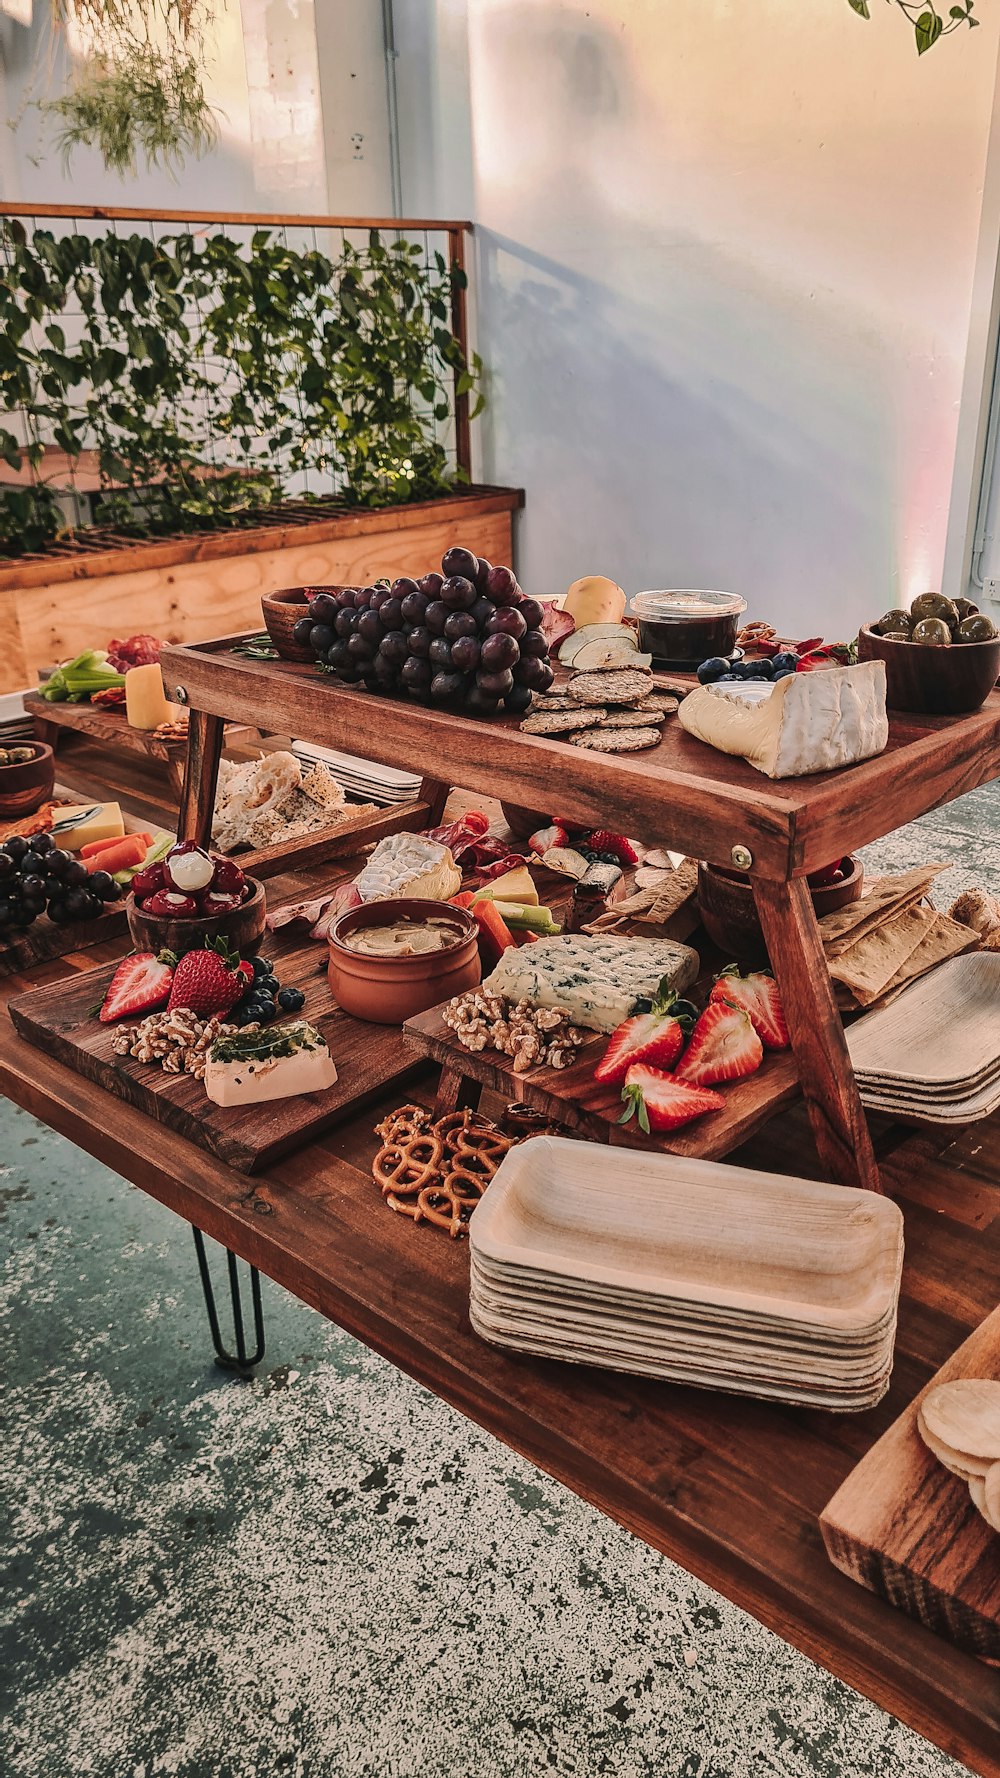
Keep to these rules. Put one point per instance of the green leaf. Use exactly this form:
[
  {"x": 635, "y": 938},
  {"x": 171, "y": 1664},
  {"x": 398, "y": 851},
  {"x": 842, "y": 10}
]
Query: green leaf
[
  {"x": 927, "y": 30},
  {"x": 861, "y": 7}
]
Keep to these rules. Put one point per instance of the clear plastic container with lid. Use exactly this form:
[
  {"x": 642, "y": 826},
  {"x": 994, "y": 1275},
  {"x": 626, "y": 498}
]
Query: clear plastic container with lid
[{"x": 683, "y": 627}]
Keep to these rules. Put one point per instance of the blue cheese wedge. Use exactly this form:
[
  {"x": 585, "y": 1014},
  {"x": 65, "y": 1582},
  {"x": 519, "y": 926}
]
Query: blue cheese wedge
[
  {"x": 597, "y": 980},
  {"x": 252, "y": 1066}
]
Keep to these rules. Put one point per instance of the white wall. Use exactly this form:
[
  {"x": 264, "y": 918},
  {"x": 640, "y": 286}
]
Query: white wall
[
  {"x": 726, "y": 255},
  {"x": 281, "y": 147}
]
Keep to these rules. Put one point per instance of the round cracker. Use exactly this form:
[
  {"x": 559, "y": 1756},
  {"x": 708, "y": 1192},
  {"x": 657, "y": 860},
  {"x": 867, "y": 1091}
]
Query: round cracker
[
  {"x": 990, "y": 1508},
  {"x": 615, "y": 740},
  {"x": 625, "y": 685},
  {"x": 967, "y": 1468},
  {"x": 637, "y": 717},
  {"x": 965, "y": 1416},
  {"x": 556, "y": 722}
]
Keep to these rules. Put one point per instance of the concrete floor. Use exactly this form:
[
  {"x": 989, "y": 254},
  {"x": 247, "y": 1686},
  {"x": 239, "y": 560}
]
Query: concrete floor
[{"x": 327, "y": 1573}]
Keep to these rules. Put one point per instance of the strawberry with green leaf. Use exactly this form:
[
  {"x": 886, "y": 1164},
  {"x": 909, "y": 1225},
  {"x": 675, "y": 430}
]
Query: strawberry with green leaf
[
  {"x": 660, "y": 1101},
  {"x": 655, "y": 1036},
  {"x": 209, "y": 981}
]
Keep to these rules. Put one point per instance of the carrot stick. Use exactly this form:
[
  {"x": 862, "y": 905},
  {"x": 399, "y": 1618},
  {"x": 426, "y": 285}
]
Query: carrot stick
[
  {"x": 131, "y": 850},
  {"x": 100, "y": 845}
]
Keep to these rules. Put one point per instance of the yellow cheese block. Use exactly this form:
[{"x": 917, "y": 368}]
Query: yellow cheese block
[
  {"x": 514, "y": 885},
  {"x": 145, "y": 705},
  {"x": 595, "y": 600},
  {"x": 105, "y": 824}
]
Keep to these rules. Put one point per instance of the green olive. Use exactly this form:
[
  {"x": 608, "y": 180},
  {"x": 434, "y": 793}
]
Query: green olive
[
  {"x": 932, "y": 632},
  {"x": 965, "y": 608},
  {"x": 897, "y": 635},
  {"x": 934, "y": 605},
  {"x": 976, "y": 628},
  {"x": 897, "y": 619}
]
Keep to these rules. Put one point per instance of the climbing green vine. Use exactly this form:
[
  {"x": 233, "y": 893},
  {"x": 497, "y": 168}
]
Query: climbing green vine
[
  {"x": 211, "y": 378},
  {"x": 926, "y": 22}
]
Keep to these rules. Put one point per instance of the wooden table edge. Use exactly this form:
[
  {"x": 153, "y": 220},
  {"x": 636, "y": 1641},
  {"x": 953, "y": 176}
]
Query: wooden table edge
[{"x": 902, "y": 1692}]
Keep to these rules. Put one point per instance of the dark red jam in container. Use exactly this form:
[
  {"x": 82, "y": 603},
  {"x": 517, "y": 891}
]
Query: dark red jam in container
[{"x": 683, "y": 628}]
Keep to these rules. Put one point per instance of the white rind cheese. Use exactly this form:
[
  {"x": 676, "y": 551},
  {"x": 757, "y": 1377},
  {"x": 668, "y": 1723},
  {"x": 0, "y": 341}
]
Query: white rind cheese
[
  {"x": 597, "y": 980},
  {"x": 406, "y": 865},
  {"x": 276, "y": 1063},
  {"x": 811, "y": 722}
]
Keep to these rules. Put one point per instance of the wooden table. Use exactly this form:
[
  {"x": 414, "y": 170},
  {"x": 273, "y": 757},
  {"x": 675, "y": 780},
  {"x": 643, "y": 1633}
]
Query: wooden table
[
  {"x": 731, "y": 1489},
  {"x": 681, "y": 793}
]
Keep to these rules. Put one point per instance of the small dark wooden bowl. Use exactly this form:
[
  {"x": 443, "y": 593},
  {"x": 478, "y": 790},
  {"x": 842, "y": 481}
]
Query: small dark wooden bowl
[
  {"x": 282, "y": 611},
  {"x": 24, "y": 788},
  {"x": 523, "y": 822},
  {"x": 729, "y": 913},
  {"x": 948, "y": 681},
  {"x": 242, "y": 927}
]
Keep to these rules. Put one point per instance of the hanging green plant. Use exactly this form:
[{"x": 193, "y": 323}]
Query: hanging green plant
[
  {"x": 141, "y": 90},
  {"x": 927, "y": 23}
]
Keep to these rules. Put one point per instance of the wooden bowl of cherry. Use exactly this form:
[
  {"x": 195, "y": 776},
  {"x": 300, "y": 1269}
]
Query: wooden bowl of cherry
[
  {"x": 242, "y": 927},
  {"x": 729, "y": 913}
]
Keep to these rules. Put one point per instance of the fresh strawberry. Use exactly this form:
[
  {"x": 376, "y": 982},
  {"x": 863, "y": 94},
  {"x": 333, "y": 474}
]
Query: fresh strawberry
[
  {"x": 661, "y": 1101},
  {"x": 209, "y": 981},
  {"x": 757, "y": 995},
  {"x": 603, "y": 841},
  {"x": 723, "y": 1046},
  {"x": 656, "y": 1037},
  {"x": 548, "y": 838},
  {"x": 140, "y": 984}
]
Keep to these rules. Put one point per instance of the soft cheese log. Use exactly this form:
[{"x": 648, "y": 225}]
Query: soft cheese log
[
  {"x": 252, "y": 1067},
  {"x": 812, "y": 722}
]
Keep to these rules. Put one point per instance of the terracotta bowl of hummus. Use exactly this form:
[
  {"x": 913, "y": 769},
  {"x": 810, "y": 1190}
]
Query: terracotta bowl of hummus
[{"x": 390, "y": 960}]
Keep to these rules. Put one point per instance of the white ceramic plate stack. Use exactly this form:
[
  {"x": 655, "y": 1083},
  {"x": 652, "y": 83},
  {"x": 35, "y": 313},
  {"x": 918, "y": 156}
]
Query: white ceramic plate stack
[
  {"x": 689, "y": 1270},
  {"x": 363, "y": 778},
  {"x": 934, "y": 1054}
]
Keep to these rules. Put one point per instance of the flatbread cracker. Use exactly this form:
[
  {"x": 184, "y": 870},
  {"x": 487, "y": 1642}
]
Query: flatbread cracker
[
  {"x": 616, "y": 740},
  {"x": 641, "y": 716},
  {"x": 672, "y": 897},
  {"x": 965, "y": 1414},
  {"x": 869, "y": 965},
  {"x": 959, "y": 1464},
  {"x": 628, "y": 685},
  {"x": 944, "y": 938},
  {"x": 882, "y": 899}
]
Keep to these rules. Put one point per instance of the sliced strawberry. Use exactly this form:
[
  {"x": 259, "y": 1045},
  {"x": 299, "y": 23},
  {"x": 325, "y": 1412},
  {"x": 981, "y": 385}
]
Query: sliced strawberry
[
  {"x": 723, "y": 1046},
  {"x": 208, "y": 981},
  {"x": 662, "y": 1102},
  {"x": 757, "y": 994},
  {"x": 656, "y": 1036},
  {"x": 601, "y": 840},
  {"x": 139, "y": 985}
]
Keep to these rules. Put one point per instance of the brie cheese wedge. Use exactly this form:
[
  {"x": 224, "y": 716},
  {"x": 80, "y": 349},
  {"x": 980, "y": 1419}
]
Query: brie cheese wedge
[
  {"x": 406, "y": 865},
  {"x": 809, "y": 722},
  {"x": 251, "y": 1067}
]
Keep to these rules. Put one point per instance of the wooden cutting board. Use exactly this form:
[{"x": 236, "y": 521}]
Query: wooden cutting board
[
  {"x": 61, "y": 1019},
  {"x": 905, "y": 1527}
]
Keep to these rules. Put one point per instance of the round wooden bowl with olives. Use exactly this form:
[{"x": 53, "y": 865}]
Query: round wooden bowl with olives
[{"x": 942, "y": 657}]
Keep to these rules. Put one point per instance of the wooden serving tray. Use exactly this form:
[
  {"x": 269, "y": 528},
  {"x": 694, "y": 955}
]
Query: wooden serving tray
[
  {"x": 61, "y": 1020},
  {"x": 572, "y": 1097},
  {"x": 904, "y": 1526},
  {"x": 110, "y": 728}
]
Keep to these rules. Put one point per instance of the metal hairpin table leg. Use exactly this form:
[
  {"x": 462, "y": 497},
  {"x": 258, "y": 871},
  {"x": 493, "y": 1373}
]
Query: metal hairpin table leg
[{"x": 240, "y": 1361}]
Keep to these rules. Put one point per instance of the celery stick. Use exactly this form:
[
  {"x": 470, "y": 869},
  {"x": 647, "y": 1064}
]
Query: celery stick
[{"x": 521, "y": 918}]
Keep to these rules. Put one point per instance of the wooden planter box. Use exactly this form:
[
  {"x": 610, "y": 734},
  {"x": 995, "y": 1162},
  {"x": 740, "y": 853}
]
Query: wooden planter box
[{"x": 185, "y": 588}]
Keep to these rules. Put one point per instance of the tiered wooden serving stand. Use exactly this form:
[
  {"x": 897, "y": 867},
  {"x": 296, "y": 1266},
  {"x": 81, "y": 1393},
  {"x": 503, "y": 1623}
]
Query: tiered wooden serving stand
[{"x": 681, "y": 794}]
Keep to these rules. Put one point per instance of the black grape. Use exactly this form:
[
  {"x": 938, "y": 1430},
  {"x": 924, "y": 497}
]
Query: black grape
[
  {"x": 507, "y": 621},
  {"x": 496, "y": 685},
  {"x": 534, "y": 673},
  {"x": 359, "y": 650},
  {"x": 370, "y": 626},
  {"x": 403, "y": 587},
  {"x": 302, "y": 629},
  {"x": 482, "y": 611},
  {"x": 346, "y": 622},
  {"x": 337, "y": 655},
  {"x": 395, "y": 647},
  {"x": 320, "y": 638},
  {"x": 363, "y": 597},
  {"x": 483, "y": 571},
  {"x": 465, "y": 654},
  {"x": 458, "y": 593},
  {"x": 323, "y": 608},
  {"x": 502, "y": 586},
  {"x": 391, "y": 615},
  {"x": 534, "y": 643},
  {"x": 499, "y": 653},
  {"x": 460, "y": 561},
  {"x": 416, "y": 674},
  {"x": 518, "y": 699},
  {"x": 460, "y": 623},
  {"x": 413, "y": 607},
  {"x": 430, "y": 585},
  {"x": 439, "y": 653},
  {"x": 419, "y": 641},
  {"x": 532, "y": 612},
  {"x": 446, "y": 685},
  {"x": 436, "y": 616}
]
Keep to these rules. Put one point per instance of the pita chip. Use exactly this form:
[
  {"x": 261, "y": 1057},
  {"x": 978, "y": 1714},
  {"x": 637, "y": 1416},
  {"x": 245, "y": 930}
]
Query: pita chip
[{"x": 882, "y": 901}]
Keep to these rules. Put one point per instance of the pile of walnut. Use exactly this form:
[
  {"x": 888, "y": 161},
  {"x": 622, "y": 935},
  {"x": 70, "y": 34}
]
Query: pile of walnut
[
  {"x": 178, "y": 1040},
  {"x": 533, "y": 1036},
  {"x": 437, "y": 1170}
]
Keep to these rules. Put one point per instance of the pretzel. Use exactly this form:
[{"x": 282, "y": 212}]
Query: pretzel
[
  {"x": 437, "y": 1171},
  {"x": 406, "y": 1120},
  {"x": 407, "y": 1165},
  {"x": 753, "y": 634}
]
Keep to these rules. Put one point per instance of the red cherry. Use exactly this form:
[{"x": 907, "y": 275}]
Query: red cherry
[
  {"x": 148, "y": 880},
  {"x": 172, "y": 904},
  {"x": 214, "y": 901},
  {"x": 228, "y": 878}
]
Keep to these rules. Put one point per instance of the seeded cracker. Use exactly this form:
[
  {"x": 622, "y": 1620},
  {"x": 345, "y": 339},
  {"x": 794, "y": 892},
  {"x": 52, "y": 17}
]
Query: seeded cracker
[
  {"x": 629, "y": 686},
  {"x": 615, "y": 740},
  {"x": 641, "y": 717},
  {"x": 556, "y": 722}
]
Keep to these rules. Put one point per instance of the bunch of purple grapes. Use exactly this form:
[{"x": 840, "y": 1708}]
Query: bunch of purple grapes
[{"x": 465, "y": 636}]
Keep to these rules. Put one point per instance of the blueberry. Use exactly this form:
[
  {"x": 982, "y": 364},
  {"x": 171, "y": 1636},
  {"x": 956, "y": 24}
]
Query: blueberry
[
  {"x": 783, "y": 672},
  {"x": 267, "y": 1012},
  {"x": 727, "y": 678},
  {"x": 256, "y": 1004},
  {"x": 713, "y": 668},
  {"x": 785, "y": 658},
  {"x": 763, "y": 669},
  {"x": 642, "y": 1005},
  {"x": 240, "y": 1016},
  {"x": 260, "y": 966},
  {"x": 291, "y": 999}
]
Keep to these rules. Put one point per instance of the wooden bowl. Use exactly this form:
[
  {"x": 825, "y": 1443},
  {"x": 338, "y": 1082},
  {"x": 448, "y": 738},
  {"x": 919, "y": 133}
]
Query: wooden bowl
[
  {"x": 24, "y": 788},
  {"x": 390, "y": 990},
  {"x": 729, "y": 913},
  {"x": 523, "y": 822},
  {"x": 282, "y": 611},
  {"x": 242, "y": 927},
  {"x": 933, "y": 681}
]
